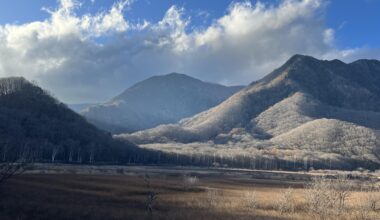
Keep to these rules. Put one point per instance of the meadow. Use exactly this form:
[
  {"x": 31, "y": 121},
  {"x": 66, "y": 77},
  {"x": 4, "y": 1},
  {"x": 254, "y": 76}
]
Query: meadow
[{"x": 186, "y": 194}]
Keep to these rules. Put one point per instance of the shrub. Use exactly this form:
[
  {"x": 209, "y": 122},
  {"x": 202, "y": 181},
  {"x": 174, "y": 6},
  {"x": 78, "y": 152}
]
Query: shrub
[
  {"x": 328, "y": 196},
  {"x": 319, "y": 197},
  {"x": 190, "y": 182},
  {"x": 285, "y": 202},
  {"x": 213, "y": 196},
  {"x": 251, "y": 200},
  {"x": 341, "y": 190}
]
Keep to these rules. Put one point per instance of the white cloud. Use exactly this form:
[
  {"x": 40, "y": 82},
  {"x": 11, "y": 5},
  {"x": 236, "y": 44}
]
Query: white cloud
[
  {"x": 329, "y": 36},
  {"x": 92, "y": 57}
]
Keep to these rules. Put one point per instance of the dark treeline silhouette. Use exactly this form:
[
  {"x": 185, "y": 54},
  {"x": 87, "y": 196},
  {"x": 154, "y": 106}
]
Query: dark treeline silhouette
[
  {"x": 34, "y": 123},
  {"x": 260, "y": 162}
]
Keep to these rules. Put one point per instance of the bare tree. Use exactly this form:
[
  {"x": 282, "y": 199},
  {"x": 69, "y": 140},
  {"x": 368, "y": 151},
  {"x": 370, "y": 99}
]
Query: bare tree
[
  {"x": 341, "y": 189},
  {"x": 372, "y": 201},
  {"x": 326, "y": 196},
  {"x": 70, "y": 145},
  {"x": 8, "y": 170},
  {"x": 285, "y": 201},
  {"x": 79, "y": 155},
  {"x": 55, "y": 150},
  {"x": 4, "y": 151},
  {"x": 71, "y": 149},
  {"x": 319, "y": 197},
  {"x": 371, "y": 198},
  {"x": 92, "y": 149},
  {"x": 152, "y": 195},
  {"x": 11, "y": 84}
]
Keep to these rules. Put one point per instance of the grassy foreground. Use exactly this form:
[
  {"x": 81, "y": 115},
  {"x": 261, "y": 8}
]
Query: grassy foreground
[{"x": 171, "y": 196}]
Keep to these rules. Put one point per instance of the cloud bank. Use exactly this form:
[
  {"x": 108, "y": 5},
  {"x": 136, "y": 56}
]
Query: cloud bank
[{"x": 92, "y": 57}]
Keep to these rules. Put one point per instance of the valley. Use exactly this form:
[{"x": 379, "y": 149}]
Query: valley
[{"x": 189, "y": 110}]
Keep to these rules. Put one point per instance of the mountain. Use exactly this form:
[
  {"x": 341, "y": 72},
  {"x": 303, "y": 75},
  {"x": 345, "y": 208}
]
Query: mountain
[
  {"x": 157, "y": 100},
  {"x": 305, "y": 105},
  {"x": 37, "y": 126}
]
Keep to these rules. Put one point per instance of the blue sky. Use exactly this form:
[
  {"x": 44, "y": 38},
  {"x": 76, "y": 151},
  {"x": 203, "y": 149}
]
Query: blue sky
[
  {"x": 357, "y": 21},
  {"x": 74, "y": 47}
]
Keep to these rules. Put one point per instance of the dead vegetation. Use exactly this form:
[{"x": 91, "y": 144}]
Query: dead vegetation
[{"x": 74, "y": 196}]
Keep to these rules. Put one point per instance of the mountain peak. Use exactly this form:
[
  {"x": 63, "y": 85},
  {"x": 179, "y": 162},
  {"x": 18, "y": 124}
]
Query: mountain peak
[
  {"x": 158, "y": 100},
  {"x": 300, "y": 58},
  {"x": 366, "y": 62},
  {"x": 13, "y": 84},
  {"x": 175, "y": 74},
  {"x": 305, "y": 59},
  {"x": 167, "y": 78},
  {"x": 293, "y": 62}
]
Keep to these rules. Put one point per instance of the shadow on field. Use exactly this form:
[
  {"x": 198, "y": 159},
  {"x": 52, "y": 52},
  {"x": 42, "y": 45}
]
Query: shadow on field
[{"x": 68, "y": 196}]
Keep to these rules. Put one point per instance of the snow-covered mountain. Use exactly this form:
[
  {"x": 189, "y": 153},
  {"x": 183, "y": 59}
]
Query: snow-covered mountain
[
  {"x": 157, "y": 100},
  {"x": 306, "y": 104}
]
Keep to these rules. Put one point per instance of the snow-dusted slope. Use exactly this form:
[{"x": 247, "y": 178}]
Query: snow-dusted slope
[
  {"x": 236, "y": 111},
  {"x": 301, "y": 108},
  {"x": 330, "y": 135},
  {"x": 302, "y": 90},
  {"x": 157, "y": 100},
  {"x": 288, "y": 114},
  {"x": 326, "y": 113}
]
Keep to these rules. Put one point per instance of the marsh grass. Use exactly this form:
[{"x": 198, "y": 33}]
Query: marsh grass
[{"x": 74, "y": 196}]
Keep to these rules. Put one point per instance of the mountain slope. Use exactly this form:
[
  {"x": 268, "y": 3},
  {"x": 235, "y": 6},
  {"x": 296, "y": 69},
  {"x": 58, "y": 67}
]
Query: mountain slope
[
  {"x": 325, "y": 87},
  {"x": 297, "y": 105},
  {"x": 157, "y": 100},
  {"x": 335, "y": 136},
  {"x": 33, "y": 123}
]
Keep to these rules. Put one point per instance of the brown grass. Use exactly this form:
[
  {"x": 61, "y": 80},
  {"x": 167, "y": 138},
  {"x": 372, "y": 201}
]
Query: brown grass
[{"x": 74, "y": 196}]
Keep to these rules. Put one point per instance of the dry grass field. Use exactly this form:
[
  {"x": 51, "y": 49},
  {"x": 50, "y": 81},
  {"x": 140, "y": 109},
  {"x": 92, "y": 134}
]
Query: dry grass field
[{"x": 175, "y": 196}]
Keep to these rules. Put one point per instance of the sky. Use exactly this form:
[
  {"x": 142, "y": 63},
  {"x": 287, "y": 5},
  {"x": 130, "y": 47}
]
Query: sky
[{"x": 91, "y": 50}]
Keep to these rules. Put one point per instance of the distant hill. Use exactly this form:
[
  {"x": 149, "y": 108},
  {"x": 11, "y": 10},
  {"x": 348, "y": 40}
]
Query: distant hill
[
  {"x": 157, "y": 100},
  {"x": 37, "y": 126},
  {"x": 80, "y": 106},
  {"x": 324, "y": 107}
]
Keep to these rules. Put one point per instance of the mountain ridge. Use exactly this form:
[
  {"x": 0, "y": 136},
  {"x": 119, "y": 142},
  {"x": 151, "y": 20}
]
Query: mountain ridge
[
  {"x": 303, "y": 91},
  {"x": 157, "y": 100}
]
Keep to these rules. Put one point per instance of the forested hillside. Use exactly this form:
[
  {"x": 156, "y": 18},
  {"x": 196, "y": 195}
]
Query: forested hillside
[{"x": 36, "y": 126}]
